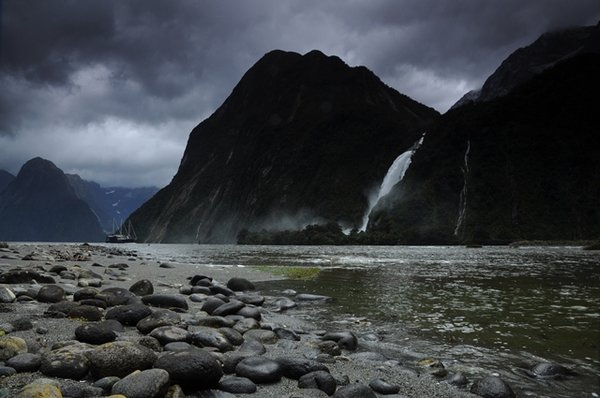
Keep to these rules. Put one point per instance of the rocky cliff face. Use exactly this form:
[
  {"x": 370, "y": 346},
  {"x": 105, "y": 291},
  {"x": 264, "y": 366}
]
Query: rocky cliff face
[
  {"x": 111, "y": 205},
  {"x": 521, "y": 166},
  {"x": 41, "y": 205},
  {"x": 527, "y": 62},
  {"x": 5, "y": 179},
  {"x": 301, "y": 139}
]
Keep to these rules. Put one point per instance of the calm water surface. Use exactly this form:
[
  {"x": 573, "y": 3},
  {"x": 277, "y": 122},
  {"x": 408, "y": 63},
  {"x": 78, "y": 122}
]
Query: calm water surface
[{"x": 487, "y": 310}]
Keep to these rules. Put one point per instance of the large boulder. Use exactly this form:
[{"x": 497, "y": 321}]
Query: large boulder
[
  {"x": 161, "y": 317},
  {"x": 259, "y": 369},
  {"x": 240, "y": 284},
  {"x": 319, "y": 379},
  {"x": 492, "y": 387},
  {"x": 166, "y": 301},
  {"x": 142, "y": 288},
  {"x": 128, "y": 315},
  {"x": 151, "y": 383},
  {"x": 120, "y": 358},
  {"x": 98, "y": 332},
  {"x": 195, "y": 369},
  {"x": 69, "y": 362},
  {"x": 294, "y": 368},
  {"x": 51, "y": 294},
  {"x": 11, "y": 346},
  {"x": 117, "y": 296},
  {"x": 6, "y": 295}
]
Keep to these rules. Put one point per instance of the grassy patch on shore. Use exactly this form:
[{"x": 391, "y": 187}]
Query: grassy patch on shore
[{"x": 303, "y": 273}]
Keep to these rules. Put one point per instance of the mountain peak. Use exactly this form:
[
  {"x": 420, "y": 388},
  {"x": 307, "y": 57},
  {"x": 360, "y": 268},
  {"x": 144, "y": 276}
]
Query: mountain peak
[
  {"x": 526, "y": 62},
  {"x": 297, "y": 134},
  {"x": 40, "y": 205}
]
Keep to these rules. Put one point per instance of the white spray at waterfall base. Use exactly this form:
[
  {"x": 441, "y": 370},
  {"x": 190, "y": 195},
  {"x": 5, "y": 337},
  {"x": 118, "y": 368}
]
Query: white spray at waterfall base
[{"x": 394, "y": 175}]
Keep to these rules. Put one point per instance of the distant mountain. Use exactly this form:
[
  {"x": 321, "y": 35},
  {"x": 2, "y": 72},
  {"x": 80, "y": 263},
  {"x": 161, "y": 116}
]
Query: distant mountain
[
  {"x": 524, "y": 165},
  {"x": 111, "y": 205},
  {"x": 301, "y": 139},
  {"x": 527, "y": 62},
  {"x": 5, "y": 179},
  {"x": 41, "y": 205}
]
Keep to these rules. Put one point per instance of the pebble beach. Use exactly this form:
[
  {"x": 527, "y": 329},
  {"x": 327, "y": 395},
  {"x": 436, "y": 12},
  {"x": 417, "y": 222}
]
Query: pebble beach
[{"x": 99, "y": 321}]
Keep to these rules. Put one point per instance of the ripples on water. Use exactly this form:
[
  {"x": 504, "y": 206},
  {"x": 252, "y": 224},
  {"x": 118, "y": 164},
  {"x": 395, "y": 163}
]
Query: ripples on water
[{"x": 481, "y": 310}]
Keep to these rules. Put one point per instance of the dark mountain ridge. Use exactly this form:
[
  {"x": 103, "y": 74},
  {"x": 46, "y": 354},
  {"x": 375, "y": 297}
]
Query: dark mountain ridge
[
  {"x": 112, "y": 205},
  {"x": 302, "y": 138},
  {"x": 41, "y": 205},
  {"x": 5, "y": 179},
  {"x": 521, "y": 166},
  {"x": 527, "y": 62}
]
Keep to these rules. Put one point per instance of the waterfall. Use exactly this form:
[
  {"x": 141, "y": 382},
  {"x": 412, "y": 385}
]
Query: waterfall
[
  {"x": 394, "y": 175},
  {"x": 462, "y": 207}
]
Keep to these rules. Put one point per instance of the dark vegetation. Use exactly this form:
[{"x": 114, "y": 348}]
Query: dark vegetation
[{"x": 329, "y": 234}]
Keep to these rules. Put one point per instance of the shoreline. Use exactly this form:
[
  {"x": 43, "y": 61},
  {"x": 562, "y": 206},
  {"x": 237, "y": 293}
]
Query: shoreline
[{"x": 356, "y": 366}]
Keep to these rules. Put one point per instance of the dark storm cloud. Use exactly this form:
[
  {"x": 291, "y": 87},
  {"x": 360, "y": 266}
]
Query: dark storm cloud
[{"x": 112, "y": 88}]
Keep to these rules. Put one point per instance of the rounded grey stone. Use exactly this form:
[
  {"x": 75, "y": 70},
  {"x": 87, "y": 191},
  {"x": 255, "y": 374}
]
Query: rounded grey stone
[
  {"x": 117, "y": 296},
  {"x": 67, "y": 362},
  {"x": 194, "y": 369},
  {"x": 232, "y": 335},
  {"x": 229, "y": 308},
  {"x": 85, "y": 293},
  {"x": 262, "y": 335},
  {"x": 25, "y": 362},
  {"x": 259, "y": 369},
  {"x": 6, "y": 295},
  {"x": 253, "y": 299},
  {"x": 550, "y": 370},
  {"x": 211, "y": 304},
  {"x": 240, "y": 284},
  {"x": 87, "y": 312},
  {"x": 50, "y": 294},
  {"x": 142, "y": 288},
  {"x": 209, "y": 337},
  {"x": 383, "y": 387},
  {"x": 237, "y": 385},
  {"x": 294, "y": 368},
  {"x": 346, "y": 340},
  {"x": 120, "y": 358},
  {"x": 492, "y": 387},
  {"x": 130, "y": 314},
  {"x": 170, "y": 334},
  {"x": 319, "y": 379},
  {"x": 166, "y": 301},
  {"x": 97, "y": 332},
  {"x": 151, "y": 383},
  {"x": 161, "y": 317}
]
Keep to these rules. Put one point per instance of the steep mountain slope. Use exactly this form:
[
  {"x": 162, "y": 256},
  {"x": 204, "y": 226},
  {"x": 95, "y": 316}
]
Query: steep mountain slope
[
  {"x": 5, "y": 179},
  {"x": 300, "y": 139},
  {"x": 527, "y": 62},
  {"x": 40, "y": 205},
  {"x": 111, "y": 205},
  {"x": 521, "y": 166}
]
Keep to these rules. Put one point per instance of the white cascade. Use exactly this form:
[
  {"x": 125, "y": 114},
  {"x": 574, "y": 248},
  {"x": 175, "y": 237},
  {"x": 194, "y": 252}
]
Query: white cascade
[
  {"x": 394, "y": 175},
  {"x": 462, "y": 206}
]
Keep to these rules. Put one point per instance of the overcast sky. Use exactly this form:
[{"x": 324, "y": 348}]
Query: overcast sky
[{"x": 111, "y": 89}]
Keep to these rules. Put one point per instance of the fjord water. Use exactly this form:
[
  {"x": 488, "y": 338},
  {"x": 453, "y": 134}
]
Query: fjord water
[{"x": 482, "y": 311}]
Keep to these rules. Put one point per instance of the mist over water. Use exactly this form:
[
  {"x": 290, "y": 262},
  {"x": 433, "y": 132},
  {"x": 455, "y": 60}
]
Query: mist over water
[{"x": 481, "y": 311}]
